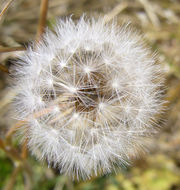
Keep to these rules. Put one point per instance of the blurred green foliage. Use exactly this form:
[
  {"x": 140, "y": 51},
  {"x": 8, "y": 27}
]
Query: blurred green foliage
[{"x": 159, "y": 174}]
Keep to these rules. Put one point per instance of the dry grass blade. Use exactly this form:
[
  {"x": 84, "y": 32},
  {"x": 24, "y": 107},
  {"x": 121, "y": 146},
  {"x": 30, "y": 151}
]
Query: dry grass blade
[
  {"x": 42, "y": 19},
  {"x": 24, "y": 151},
  {"x": 20, "y": 123},
  {"x": 12, "y": 180},
  {"x": 13, "y": 129},
  {"x": 4, "y": 69},
  {"x": 114, "y": 12},
  {"x": 150, "y": 12},
  {"x": 5, "y": 8},
  {"x": 10, "y": 49},
  {"x": 5, "y": 100},
  {"x": 1, "y": 144}
]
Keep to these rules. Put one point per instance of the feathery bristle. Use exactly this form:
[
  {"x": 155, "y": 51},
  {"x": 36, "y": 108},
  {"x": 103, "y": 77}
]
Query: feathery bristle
[{"x": 90, "y": 93}]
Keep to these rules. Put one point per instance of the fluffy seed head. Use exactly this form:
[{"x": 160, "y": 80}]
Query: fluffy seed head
[{"x": 90, "y": 93}]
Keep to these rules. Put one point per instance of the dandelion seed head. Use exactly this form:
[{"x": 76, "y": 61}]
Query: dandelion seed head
[
  {"x": 102, "y": 105},
  {"x": 115, "y": 84},
  {"x": 56, "y": 109},
  {"x": 75, "y": 116},
  {"x": 49, "y": 82},
  {"x": 87, "y": 69},
  {"x": 90, "y": 92},
  {"x": 63, "y": 64}
]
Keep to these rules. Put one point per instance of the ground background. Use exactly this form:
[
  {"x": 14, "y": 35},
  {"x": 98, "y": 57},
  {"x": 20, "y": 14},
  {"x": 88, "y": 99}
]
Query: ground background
[{"x": 159, "y": 21}]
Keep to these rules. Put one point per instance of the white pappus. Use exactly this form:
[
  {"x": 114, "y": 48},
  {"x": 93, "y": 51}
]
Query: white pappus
[{"x": 90, "y": 93}]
